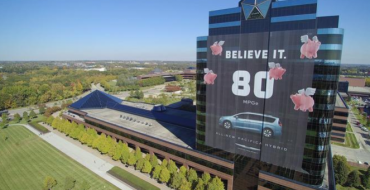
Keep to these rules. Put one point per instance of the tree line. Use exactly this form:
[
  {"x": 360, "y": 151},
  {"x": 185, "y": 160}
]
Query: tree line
[
  {"x": 165, "y": 171},
  {"x": 347, "y": 177},
  {"x": 45, "y": 84}
]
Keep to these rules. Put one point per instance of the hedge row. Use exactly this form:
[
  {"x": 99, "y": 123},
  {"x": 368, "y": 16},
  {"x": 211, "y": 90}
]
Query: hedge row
[{"x": 39, "y": 127}]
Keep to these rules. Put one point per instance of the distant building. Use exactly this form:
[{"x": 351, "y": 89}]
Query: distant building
[
  {"x": 189, "y": 73},
  {"x": 96, "y": 69},
  {"x": 363, "y": 92},
  {"x": 357, "y": 82}
]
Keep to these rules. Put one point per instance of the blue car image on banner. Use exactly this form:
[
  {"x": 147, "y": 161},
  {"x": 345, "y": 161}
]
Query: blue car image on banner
[{"x": 269, "y": 126}]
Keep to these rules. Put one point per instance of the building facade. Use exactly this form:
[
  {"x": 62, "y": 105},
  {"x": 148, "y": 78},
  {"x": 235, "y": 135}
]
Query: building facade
[
  {"x": 178, "y": 133},
  {"x": 290, "y": 15}
]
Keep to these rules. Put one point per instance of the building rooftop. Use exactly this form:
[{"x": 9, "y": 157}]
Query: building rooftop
[
  {"x": 168, "y": 123},
  {"x": 340, "y": 103},
  {"x": 175, "y": 134},
  {"x": 358, "y": 82},
  {"x": 359, "y": 90}
]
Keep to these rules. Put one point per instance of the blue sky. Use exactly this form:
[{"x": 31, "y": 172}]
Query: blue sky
[{"x": 139, "y": 30}]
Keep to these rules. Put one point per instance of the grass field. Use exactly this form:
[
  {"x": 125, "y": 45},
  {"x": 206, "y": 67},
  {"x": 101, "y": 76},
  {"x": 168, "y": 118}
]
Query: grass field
[
  {"x": 351, "y": 142},
  {"x": 131, "y": 179},
  {"x": 25, "y": 161}
]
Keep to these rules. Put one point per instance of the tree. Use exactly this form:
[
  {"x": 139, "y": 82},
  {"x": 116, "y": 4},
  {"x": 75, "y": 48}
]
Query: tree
[
  {"x": 118, "y": 151},
  {"x": 164, "y": 176},
  {"x": 138, "y": 153},
  {"x": 206, "y": 178},
  {"x": 366, "y": 179},
  {"x": 125, "y": 153},
  {"x": 25, "y": 116},
  {"x": 185, "y": 185},
  {"x": 41, "y": 109},
  {"x": 341, "y": 172},
  {"x": 179, "y": 78},
  {"x": 131, "y": 159},
  {"x": 147, "y": 167},
  {"x": 354, "y": 179},
  {"x": 85, "y": 185},
  {"x": 113, "y": 147},
  {"x": 211, "y": 186},
  {"x": 69, "y": 183},
  {"x": 192, "y": 176},
  {"x": 50, "y": 120},
  {"x": 102, "y": 143},
  {"x": 32, "y": 114},
  {"x": 164, "y": 163},
  {"x": 17, "y": 118},
  {"x": 183, "y": 170},
  {"x": 4, "y": 118},
  {"x": 49, "y": 182},
  {"x": 139, "y": 164},
  {"x": 147, "y": 157},
  {"x": 55, "y": 123},
  {"x": 176, "y": 180},
  {"x": 153, "y": 160},
  {"x": 200, "y": 185},
  {"x": 217, "y": 183},
  {"x": 172, "y": 167},
  {"x": 156, "y": 172}
]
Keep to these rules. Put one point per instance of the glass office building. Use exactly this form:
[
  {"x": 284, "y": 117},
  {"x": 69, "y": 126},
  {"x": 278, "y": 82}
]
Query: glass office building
[{"x": 252, "y": 34}]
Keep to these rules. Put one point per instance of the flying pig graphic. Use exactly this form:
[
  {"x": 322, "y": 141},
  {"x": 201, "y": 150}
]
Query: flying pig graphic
[
  {"x": 303, "y": 100},
  {"x": 310, "y": 47},
  {"x": 217, "y": 48},
  {"x": 209, "y": 77},
  {"x": 276, "y": 71}
]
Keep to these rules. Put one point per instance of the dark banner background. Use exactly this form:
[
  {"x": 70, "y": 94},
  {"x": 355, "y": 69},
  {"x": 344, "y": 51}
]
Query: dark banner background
[{"x": 285, "y": 150}]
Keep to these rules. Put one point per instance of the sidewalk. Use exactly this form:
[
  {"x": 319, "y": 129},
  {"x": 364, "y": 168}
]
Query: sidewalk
[
  {"x": 90, "y": 161},
  {"x": 106, "y": 158}
]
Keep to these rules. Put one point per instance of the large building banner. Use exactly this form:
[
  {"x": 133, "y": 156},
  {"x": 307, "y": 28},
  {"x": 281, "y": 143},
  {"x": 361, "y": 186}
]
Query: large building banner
[{"x": 259, "y": 94}]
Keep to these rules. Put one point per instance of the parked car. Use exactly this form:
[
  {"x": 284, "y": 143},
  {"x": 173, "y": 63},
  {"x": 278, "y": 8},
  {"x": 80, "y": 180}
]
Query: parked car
[
  {"x": 269, "y": 126},
  {"x": 366, "y": 163},
  {"x": 365, "y": 129},
  {"x": 4, "y": 111},
  {"x": 359, "y": 162}
]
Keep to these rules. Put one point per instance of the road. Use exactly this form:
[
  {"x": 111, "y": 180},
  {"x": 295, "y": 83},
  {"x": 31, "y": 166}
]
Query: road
[
  {"x": 90, "y": 161},
  {"x": 354, "y": 155}
]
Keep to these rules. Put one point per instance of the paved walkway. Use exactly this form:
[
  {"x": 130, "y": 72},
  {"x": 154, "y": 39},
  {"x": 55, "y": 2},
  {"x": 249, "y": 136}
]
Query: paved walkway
[
  {"x": 90, "y": 161},
  {"x": 107, "y": 159}
]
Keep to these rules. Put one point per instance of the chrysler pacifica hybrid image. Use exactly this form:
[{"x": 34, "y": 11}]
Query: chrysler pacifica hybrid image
[{"x": 268, "y": 125}]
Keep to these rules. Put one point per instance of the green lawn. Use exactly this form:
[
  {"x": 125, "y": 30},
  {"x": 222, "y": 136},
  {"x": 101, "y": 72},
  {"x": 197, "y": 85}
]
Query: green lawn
[
  {"x": 349, "y": 128},
  {"x": 25, "y": 160},
  {"x": 351, "y": 142},
  {"x": 131, "y": 179}
]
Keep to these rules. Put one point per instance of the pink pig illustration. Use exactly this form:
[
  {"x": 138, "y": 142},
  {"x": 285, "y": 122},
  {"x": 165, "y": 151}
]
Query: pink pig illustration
[
  {"x": 303, "y": 100},
  {"x": 276, "y": 71},
  {"x": 310, "y": 47},
  {"x": 217, "y": 48},
  {"x": 209, "y": 77}
]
